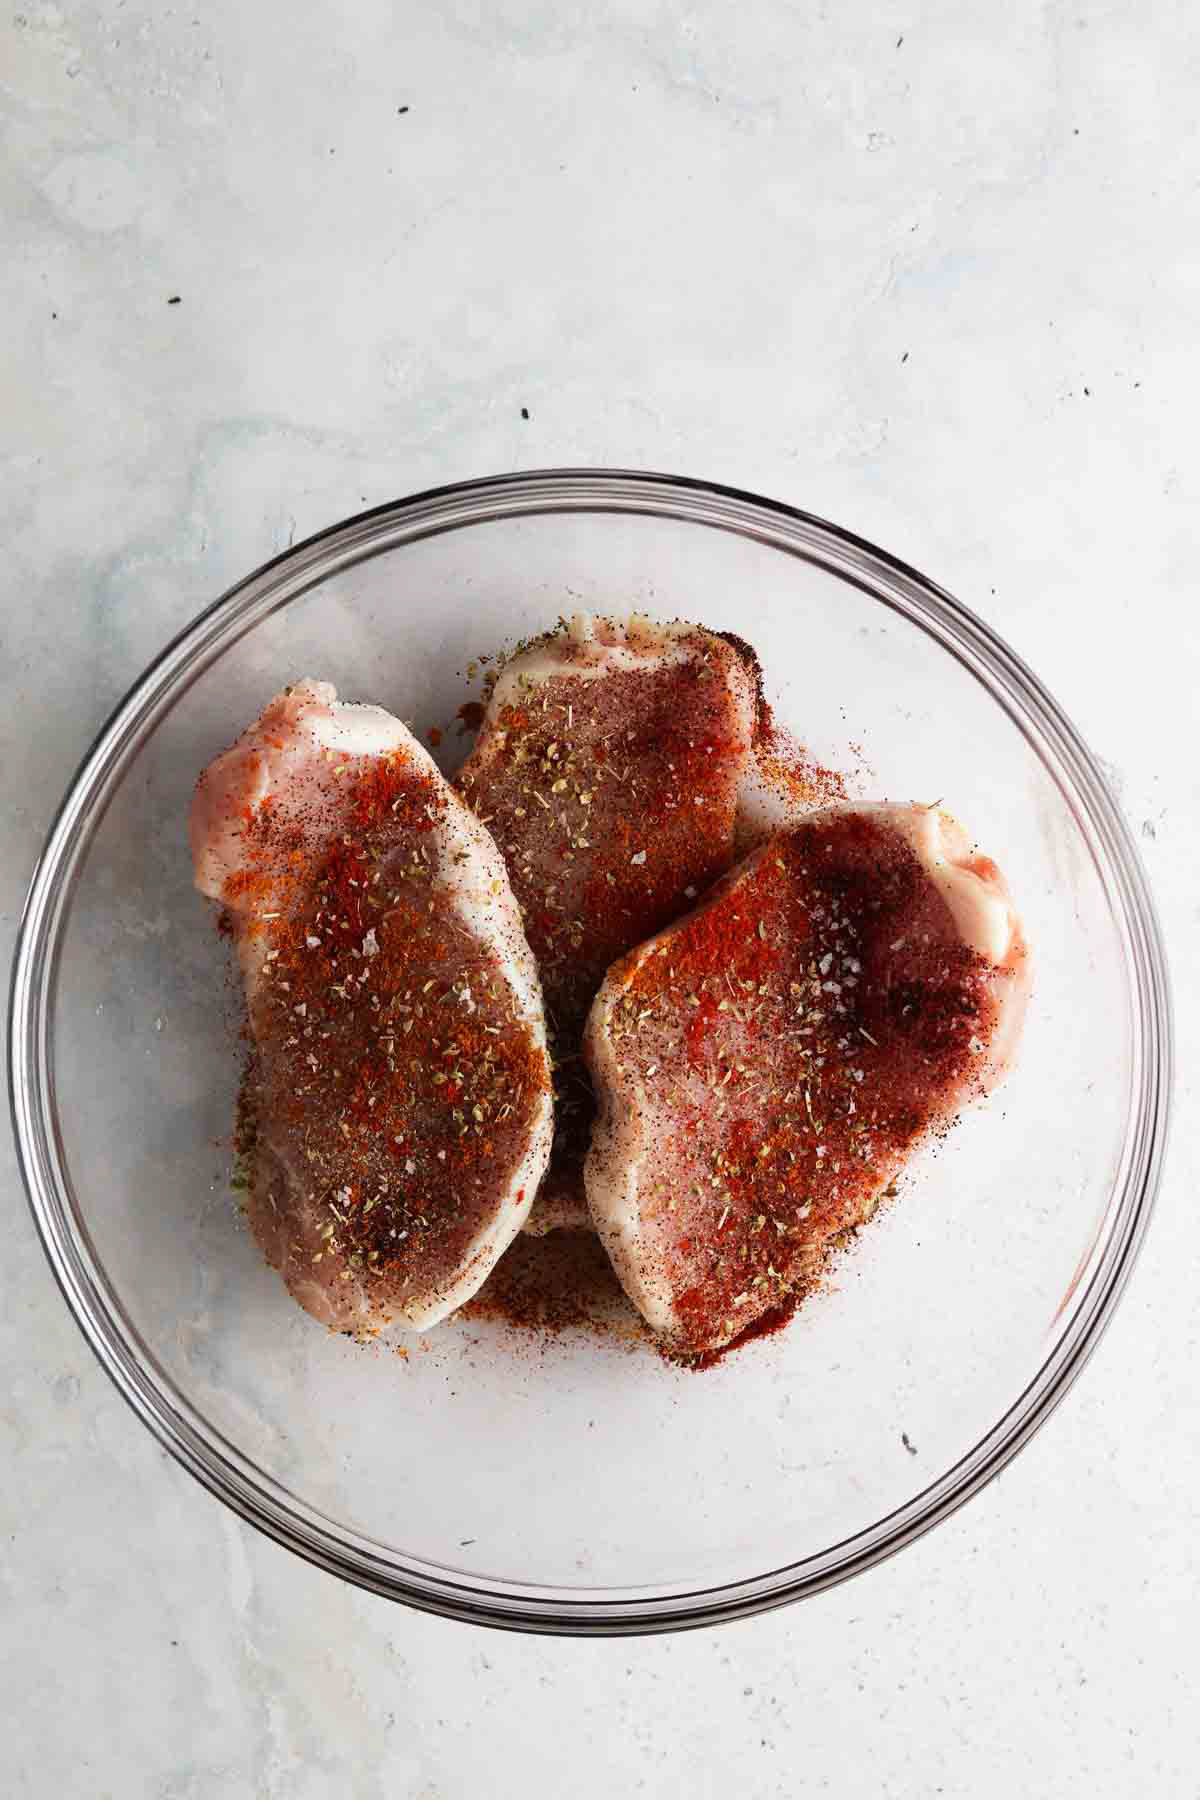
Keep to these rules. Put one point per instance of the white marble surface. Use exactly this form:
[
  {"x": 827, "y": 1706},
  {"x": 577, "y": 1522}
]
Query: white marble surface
[{"x": 926, "y": 267}]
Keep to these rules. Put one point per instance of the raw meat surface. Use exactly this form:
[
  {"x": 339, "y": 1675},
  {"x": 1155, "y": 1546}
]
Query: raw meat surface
[
  {"x": 765, "y": 1066},
  {"x": 400, "y": 1092},
  {"x": 608, "y": 769}
]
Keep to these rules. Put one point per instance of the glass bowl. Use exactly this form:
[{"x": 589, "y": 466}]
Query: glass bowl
[{"x": 572, "y": 1484}]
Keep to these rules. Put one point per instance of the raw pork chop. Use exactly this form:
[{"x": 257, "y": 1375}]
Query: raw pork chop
[
  {"x": 765, "y": 1065},
  {"x": 400, "y": 1093},
  {"x": 607, "y": 769}
]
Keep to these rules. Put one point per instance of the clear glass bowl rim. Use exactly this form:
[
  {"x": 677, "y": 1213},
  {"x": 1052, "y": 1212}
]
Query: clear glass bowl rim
[{"x": 166, "y": 1411}]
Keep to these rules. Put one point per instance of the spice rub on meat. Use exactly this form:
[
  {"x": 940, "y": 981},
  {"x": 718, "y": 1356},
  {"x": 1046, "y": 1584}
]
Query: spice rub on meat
[
  {"x": 400, "y": 1088},
  {"x": 765, "y": 1065},
  {"x": 608, "y": 770}
]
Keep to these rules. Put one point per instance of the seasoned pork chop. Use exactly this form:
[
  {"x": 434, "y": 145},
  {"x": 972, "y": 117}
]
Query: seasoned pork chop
[
  {"x": 400, "y": 1091},
  {"x": 765, "y": 1065},
  {"x": 607, "y": 769}
]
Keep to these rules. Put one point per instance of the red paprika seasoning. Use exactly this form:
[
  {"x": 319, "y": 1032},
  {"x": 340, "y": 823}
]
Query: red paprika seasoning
[
  {"x": 789, "y": 1043},
  {"x": 393, "y": 1075}
]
